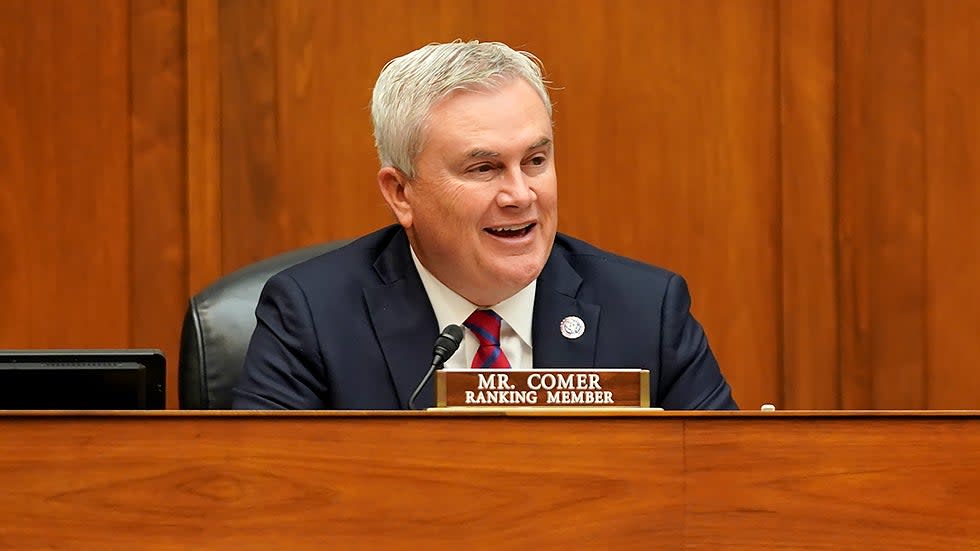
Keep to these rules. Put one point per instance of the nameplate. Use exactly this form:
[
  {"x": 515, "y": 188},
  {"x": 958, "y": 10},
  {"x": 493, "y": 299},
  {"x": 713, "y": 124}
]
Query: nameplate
[{"x": 543, "y": 388}]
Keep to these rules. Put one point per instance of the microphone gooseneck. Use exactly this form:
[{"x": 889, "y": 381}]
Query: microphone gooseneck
[{"x": 446, "y": 345}]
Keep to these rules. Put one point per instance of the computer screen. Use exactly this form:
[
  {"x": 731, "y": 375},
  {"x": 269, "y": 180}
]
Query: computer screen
[{"x": 82, "y": 379}]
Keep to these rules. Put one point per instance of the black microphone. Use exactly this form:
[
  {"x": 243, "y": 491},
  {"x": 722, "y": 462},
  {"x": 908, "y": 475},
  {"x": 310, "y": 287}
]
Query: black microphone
[{"x": 445, "y": 346}]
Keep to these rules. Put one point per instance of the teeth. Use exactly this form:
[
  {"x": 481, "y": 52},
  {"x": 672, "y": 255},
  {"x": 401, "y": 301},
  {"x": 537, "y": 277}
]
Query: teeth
[{"x": 510, "y": 228}]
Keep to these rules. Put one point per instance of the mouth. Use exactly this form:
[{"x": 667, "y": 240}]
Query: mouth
[{"x": 511, "y": 232}]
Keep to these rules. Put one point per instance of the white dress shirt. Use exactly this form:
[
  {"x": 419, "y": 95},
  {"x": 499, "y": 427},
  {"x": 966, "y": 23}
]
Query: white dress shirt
[{"x": 515, "y": 327}]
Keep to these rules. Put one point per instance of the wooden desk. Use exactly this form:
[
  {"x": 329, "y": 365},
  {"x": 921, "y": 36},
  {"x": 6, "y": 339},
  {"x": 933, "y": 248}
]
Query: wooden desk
[{"x": 241, "y": 481}]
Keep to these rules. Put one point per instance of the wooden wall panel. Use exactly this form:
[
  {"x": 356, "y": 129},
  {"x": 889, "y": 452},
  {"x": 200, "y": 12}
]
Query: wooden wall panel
[
  {"x": 203, "y": 143},
  {"x": 159, "y": 213},
  {"x": 853, "y": 203},
  {"x": 93, "y": 179},
  {"x": 327, "y": 165},
  {"x": 952, "y": 179},
  {"x": 16, "y": 246},
  {"x": 808, "y": 166},
  {"x": 811, "y": 376},
  {"x": 249, "y": 132},
  {"x": 881, "y": 204},
  {"x": 66, "y": 230}
]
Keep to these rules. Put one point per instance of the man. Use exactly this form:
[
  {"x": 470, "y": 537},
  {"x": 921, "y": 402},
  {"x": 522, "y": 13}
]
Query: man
[{"x": 464, "y": 133}]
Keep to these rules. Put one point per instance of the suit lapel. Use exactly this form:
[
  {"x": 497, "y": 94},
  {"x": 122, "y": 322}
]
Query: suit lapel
[
  {"x": 403, "y": 320},
  {"x": 555, "y": 299}
]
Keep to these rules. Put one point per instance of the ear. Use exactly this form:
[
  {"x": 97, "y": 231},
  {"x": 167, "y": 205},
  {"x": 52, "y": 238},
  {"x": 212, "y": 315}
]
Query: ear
[{"x": 392, "y": 183}]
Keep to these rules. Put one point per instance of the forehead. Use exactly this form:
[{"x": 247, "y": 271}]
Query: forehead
[{"x": 510, "y": 114}]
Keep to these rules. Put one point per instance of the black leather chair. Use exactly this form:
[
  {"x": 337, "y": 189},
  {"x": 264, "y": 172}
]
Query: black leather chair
[{"x": 218, "y": 326}]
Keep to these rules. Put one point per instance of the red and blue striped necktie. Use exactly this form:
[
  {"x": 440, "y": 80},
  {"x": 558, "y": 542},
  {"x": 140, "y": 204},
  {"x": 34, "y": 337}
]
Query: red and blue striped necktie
[{"x": 485, "y": 325}]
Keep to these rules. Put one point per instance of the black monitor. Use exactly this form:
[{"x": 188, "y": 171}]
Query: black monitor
[{"x": 82, "y": 379}]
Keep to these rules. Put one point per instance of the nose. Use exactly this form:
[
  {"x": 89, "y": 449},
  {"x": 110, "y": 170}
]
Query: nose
[{"x": 516, "y": 190}]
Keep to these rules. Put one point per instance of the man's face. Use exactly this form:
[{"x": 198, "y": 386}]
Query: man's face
[{"x": 482, "y": 211}]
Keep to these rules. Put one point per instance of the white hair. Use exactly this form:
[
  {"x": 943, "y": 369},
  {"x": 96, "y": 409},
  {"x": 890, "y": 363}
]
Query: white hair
[{"x": 410, "y": 85}]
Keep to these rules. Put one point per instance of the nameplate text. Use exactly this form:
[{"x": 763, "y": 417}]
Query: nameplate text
[{"x": 543, "y": 388}]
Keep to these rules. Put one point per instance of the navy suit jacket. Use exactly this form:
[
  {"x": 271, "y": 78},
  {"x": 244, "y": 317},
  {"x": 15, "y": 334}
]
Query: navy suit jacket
[{"x": 354, "y": 329}]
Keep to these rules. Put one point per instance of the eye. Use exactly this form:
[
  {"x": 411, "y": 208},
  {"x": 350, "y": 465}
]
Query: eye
[
  {"x": 537, "y": 160},
  {"x": 482, "y": 169}
]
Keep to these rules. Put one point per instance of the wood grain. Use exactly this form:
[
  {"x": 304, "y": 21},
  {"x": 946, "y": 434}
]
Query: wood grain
[
  {"x": 249, "y": 133},
  {"x": 342, "y": 483},
  {"x": 67, "y": 146},
  {"x": 15, "y": 196},
  {"x": 809, "y": 341},
  {"x": 159, "y": 186},
  {"x": 203, "y": 144},
  {"x": 490, "y": 481},
  {"x": 853, "y": 203},
  {"x": 881, "y": 204},
  {"x": 882, "y": 483},
  {"x": 329, "y": 55},
  {"x": 952, "y": 82}
]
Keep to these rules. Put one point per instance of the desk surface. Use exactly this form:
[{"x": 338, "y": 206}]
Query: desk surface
[
  {"x": 490, "y": 480},
  {"x": 505, "y": 412}
]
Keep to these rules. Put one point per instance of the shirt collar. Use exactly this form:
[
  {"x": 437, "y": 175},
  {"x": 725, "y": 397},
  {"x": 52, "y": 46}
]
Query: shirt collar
[{"x": 450, "y": 308}]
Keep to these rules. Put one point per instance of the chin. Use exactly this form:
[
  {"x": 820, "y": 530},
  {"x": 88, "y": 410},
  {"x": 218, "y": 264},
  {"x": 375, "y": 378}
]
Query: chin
[{"x": 519, "y": 274}]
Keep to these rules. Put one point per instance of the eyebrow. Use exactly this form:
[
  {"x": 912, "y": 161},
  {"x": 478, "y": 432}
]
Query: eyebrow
[{"x": 486, "y": 153}]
